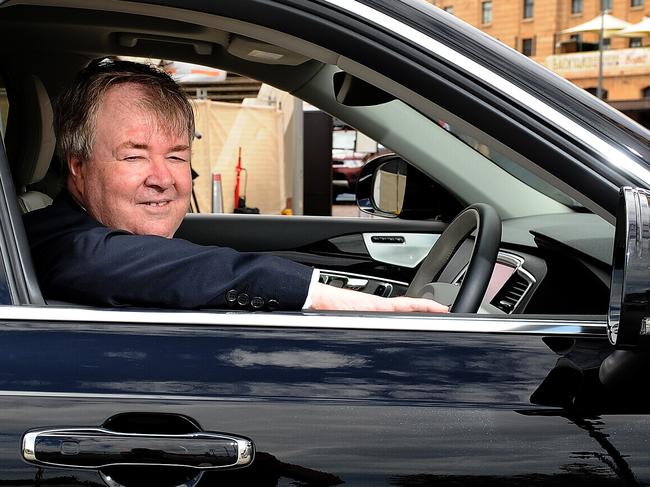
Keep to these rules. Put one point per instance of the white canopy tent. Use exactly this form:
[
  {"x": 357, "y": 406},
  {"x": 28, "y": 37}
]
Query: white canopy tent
[
  {"x": 639, "y": 29},
  {"x": 609, "y": 25},
  {"x": 606, "y": 26}
]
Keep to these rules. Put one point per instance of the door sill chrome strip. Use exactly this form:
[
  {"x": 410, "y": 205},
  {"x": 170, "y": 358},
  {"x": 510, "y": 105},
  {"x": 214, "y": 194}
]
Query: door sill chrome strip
[{"x": 33, "y": 316}]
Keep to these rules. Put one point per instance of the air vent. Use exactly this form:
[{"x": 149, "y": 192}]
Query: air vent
[{"x": 511, "y": 293}]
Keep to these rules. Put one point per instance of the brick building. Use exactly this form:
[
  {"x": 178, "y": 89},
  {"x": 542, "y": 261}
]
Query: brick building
[{"x": 534, "y": 27}]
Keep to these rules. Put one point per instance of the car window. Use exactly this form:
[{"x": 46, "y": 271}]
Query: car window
[
  {"x": 516, "y": 170},
  {"x": 244, "y": 156}
]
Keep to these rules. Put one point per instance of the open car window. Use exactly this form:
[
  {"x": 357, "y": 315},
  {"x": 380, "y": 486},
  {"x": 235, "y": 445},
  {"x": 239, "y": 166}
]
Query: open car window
[{"x": 459, "y": 154}]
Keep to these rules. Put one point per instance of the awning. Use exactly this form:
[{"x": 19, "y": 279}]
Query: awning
[
  {"x": 610, "y": 25},
  {"x": 639, "y": 29}
]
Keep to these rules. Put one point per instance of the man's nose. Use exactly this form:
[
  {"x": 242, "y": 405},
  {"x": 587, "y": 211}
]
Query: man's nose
[{"x": 159, "y": 174}]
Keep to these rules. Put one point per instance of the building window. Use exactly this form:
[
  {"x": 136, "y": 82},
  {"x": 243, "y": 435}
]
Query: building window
[
  {"x": 594, "y": 91},
  {"x": 449, "y": 9},
  {"x": 528, "y": 46},
  {"x": 645, "y": 92},
  {"x": 576, "y": 6},
  {"x": 636, "y": 42},
  {"x": 636, "y": 3},
  {"x": 528, "y": 9},
  {"x": 486, "y": 12},
  {"x": 607, "y": 43},
  {"x": 606, "y": 5}
]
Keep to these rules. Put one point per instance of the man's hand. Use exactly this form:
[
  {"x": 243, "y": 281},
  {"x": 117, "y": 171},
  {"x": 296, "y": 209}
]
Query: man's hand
[{"x": 328, "y": 297}]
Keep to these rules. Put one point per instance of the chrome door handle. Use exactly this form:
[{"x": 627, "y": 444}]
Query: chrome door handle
[{"x": 95, "y": 448}]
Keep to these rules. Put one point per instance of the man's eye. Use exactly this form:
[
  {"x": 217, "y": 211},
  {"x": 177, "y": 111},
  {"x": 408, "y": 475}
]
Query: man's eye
[
  {"x": 133, "y": 158},
  {"x": 177, "y": 159}
]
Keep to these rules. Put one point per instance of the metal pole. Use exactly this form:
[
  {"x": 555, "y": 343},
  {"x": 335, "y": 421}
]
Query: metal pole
[
  {"x": 298, "y": 165},
  {"x": 599, "y": 89},
  {"x": 217, "y": 193}
]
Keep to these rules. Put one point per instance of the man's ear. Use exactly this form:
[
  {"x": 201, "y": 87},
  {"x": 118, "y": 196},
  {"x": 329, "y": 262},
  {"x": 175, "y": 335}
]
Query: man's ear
[{"x": 75, "y": 176}]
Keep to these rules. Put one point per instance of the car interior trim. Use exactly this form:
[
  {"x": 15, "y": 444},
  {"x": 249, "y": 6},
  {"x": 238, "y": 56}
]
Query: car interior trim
[
  {"x": 517, "y": 264},
  {"x": 435, "y": 112},
  {"x": 298, "y": 320},
  {"x": 612, "y": 154},
  {"x": 408, "y": 253},
  {"x": 354, "y": 275}
]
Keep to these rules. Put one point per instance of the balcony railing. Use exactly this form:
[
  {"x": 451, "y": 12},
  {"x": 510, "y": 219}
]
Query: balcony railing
[{"x": 615, "y": 62}]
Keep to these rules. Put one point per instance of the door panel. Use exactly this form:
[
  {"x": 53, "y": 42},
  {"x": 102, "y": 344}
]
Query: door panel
[
  {"x": 257, "y": 233},
  {"x": 322, "y": 406},
  {"x": 322, "y": 242}
]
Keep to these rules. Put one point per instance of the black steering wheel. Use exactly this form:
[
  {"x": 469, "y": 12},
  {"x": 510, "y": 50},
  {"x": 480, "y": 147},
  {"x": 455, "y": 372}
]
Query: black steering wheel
[{"x": 467, "y": 299}]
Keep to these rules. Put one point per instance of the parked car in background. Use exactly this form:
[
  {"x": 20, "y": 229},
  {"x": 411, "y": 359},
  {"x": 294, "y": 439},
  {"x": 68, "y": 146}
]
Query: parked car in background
[
  {"x": 350, "y": 150},
  {"x": 535, "y": 378}
]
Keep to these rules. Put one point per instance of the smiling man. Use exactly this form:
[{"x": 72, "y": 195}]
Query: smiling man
[
  {"x": 124, "y": 131},
  {"x": 137, "y": 176}
]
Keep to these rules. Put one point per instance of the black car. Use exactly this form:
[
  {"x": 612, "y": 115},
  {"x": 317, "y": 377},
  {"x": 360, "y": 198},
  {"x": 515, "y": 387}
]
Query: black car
[{"x": 537, "y": 377}]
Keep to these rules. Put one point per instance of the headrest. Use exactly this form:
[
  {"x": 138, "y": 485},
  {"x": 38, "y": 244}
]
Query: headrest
[{"x": 30, "y": 140}]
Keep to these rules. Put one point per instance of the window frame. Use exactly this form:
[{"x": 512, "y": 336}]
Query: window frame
[
  {"x": 528, "y": 9},
  {"x": 528, "y": 44},
  {"x": 577, "y": 6},
  {"x": 486, "y": 12},
  {"x": 635, "y": 42}
]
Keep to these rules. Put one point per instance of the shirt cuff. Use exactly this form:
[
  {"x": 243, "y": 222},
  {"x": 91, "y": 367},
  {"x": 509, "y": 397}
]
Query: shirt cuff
[{"x": 314, "y": 280}]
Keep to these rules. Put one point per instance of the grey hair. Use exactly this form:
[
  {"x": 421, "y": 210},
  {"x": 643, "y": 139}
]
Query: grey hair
[{"x": 75, "y": 111}]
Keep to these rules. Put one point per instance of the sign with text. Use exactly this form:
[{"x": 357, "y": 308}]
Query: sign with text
[{"x": 585, "y": 64}]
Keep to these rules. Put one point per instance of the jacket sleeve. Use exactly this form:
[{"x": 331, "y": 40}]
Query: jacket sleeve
[{"x": 105, "y": 267}]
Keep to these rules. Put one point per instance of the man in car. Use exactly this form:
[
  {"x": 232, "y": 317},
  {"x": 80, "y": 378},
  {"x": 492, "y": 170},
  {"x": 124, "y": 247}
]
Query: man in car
[{"x": 124, "y": 132}]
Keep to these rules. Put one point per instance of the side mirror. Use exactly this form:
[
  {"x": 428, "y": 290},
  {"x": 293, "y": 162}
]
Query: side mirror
[
  {"x": 628, "y": 323},
  {"x": 389, "y": 186},
  {"x": 382, "y": 182}
]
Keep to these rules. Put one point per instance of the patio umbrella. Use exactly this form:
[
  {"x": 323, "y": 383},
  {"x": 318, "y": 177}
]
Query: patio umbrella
[
  {"x": 609, "y": 24},
  {"x": 639, "y": 29},
  {"x": 605, "y": 25}
]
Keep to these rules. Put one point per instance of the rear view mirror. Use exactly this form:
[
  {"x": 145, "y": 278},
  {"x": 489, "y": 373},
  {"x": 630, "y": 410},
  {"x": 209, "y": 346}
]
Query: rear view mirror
[{"x": 628, "y": 323}]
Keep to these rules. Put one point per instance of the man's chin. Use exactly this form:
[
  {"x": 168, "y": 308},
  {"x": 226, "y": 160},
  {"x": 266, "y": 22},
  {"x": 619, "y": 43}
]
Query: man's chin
[
  {"x": 158, "y": 228},
  {"x": 162, "y": 224},
  {"x": 157, "y": 232}
]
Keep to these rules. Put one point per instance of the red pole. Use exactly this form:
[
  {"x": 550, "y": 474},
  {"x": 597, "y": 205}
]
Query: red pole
[{"x": 238, "y": 170}]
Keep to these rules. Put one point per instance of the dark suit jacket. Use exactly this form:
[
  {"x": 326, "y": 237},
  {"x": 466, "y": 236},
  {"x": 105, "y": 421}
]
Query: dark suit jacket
[{"x": 77, "y": 259}]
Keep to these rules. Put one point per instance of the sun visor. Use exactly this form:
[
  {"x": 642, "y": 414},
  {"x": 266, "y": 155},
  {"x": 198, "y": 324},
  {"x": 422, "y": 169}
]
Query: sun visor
[{"x": 629, "y": 311}]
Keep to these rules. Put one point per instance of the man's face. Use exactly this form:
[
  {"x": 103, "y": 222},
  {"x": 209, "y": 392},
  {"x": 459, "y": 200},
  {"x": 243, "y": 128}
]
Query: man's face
[{"x": 138, "y": 177}]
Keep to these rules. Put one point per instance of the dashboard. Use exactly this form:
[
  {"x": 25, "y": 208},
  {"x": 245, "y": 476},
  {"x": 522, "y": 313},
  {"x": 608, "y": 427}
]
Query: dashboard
[{"x": 546, "y": 265}]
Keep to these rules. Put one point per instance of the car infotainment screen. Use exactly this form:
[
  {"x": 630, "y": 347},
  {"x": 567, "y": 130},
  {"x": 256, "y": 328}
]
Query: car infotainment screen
[{"x": 500, "y": 276}]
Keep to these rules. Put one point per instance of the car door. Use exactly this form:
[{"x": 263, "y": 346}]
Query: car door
[
  {"x": 326, "y": 399},
  {"x": 140, "y": 397}
]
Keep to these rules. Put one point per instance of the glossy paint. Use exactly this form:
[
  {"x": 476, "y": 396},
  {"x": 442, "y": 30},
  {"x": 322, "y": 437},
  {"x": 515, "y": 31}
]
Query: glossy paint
[{"x": 363, "y": 407}]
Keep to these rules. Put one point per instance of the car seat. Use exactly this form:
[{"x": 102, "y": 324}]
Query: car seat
[{"x": 30, "y": 140}]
